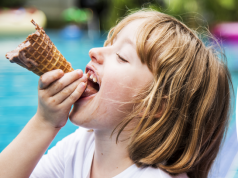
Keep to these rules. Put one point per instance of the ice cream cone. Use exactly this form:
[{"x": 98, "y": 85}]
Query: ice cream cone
[{"x": 38, "y": 54}]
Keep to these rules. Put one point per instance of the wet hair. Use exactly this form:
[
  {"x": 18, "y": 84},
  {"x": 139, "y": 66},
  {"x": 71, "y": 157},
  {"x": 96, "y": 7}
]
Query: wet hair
[{"x": 183, "y": 115}]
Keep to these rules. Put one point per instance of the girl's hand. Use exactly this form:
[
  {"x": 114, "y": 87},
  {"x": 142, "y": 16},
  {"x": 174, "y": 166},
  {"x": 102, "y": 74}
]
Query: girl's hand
[{"x": 57, "y": 92}]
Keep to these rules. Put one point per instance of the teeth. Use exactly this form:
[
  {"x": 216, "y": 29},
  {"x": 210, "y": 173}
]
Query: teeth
[{"x": 92, "y": 77}]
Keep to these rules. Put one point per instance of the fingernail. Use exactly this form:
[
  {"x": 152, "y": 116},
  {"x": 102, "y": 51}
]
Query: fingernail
[
  {"x": 84, "y": 78},
  {"x": 60, "y": 71},
  {"x": 83, "y": 84},
  {"x": 80, "y": 72}
]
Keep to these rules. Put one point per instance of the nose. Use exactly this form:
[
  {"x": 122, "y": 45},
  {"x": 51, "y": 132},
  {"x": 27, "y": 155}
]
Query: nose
[{"x": 96, "y": 55}]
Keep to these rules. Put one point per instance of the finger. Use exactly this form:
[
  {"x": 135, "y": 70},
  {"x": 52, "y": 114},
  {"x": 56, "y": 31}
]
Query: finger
[
  {"x": 49, "y": 77},
  {"x": 75, "y": 95},
  {"x": 67, "y": 91},
  {"x": 64, "y": 81}
]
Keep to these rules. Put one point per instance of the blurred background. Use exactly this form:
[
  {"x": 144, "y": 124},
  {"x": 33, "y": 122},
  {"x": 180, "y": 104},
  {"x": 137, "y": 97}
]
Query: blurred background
[{"x": 75, "y": 26}]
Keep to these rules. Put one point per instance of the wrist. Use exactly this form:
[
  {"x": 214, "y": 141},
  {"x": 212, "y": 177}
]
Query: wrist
[{"x": 43, "y": 123}]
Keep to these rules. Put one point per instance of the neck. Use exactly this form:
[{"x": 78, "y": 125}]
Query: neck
[{"x": 110, "y": 158}]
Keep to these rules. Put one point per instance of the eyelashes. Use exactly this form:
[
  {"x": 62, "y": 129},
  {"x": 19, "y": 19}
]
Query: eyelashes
[{"x": 121, "y": 58}]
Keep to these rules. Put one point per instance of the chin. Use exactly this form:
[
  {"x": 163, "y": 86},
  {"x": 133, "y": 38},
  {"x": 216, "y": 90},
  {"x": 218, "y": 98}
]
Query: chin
[
  {"x": 75, "y": 118},
  {"x": 72, "y": 117},
  {"x": 78, "y": 118}
]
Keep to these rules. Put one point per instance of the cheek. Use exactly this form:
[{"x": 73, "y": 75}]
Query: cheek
[
  {"x": 112, "y": 104},
  {"x": 118, "y": 93},
  {"x": 118, "y": 88}
]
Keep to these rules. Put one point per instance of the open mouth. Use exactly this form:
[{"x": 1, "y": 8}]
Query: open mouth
[{"x": 92, "y": 84}]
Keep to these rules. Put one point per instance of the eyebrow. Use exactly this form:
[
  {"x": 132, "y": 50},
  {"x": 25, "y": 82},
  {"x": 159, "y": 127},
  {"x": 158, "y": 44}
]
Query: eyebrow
[{"x": 128, "y": 40}]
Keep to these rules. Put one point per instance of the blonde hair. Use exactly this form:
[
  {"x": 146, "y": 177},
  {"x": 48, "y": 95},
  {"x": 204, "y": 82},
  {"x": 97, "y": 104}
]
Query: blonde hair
[{"x": 191, "y": 87}]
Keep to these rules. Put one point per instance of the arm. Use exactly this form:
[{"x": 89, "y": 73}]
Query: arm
[
  {"x": 26, "y": 149},
  {"x": 57, "y": 93}
]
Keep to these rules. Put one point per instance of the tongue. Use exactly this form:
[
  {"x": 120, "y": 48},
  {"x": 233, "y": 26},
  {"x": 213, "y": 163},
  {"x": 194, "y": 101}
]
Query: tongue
[{"x": 89, "y": 91}]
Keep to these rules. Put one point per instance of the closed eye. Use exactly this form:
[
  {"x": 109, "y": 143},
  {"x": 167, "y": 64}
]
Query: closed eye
[{"x": 121, "y": 58}]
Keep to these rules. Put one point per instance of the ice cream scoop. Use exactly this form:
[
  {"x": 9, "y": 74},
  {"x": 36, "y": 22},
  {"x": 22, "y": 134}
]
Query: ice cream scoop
[{"x": 39, "y": 55}]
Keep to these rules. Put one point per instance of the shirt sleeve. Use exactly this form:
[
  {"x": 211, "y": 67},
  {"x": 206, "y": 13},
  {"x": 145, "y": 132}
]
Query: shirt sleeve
[{"x": 52, "y": 164}]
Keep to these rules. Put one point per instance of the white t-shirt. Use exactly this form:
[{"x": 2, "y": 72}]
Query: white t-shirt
[{"x": 72, "y": 158}]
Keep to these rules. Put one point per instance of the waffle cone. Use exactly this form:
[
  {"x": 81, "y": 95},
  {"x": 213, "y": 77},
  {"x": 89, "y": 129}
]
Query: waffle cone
[{"x": 38, "y": 54}]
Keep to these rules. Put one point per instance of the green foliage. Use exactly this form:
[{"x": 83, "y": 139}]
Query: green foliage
[
  {"x": 76, "y": 15},
  {"x": 222, "y": 10},
  {"x": 117, "y": 9},
  {"x": 192, "y": 12},
  {"x": 227, "y": 4}
]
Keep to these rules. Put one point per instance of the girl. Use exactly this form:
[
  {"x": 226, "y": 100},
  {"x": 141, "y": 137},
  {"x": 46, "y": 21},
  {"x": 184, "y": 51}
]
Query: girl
[{"x": 160, "y": 108}]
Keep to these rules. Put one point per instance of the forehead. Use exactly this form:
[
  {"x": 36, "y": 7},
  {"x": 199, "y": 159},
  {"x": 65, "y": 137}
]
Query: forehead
[{"x": 129, "y": 32}]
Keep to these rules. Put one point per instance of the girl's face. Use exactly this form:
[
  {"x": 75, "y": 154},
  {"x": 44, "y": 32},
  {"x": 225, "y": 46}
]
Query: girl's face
[{"x": 120, "y": 74}]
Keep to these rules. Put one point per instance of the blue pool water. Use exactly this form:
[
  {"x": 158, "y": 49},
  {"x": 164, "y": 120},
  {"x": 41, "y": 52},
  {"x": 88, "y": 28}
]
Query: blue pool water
[{"x": 18, "y": 95}]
